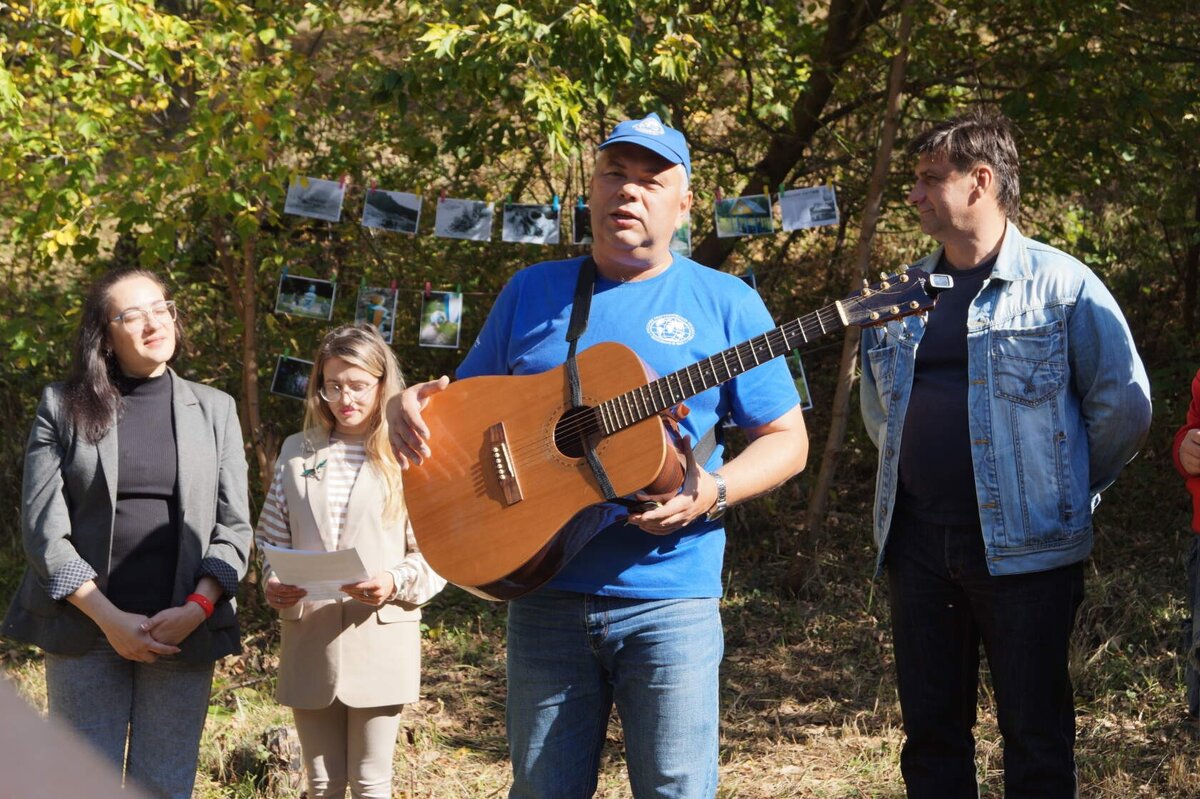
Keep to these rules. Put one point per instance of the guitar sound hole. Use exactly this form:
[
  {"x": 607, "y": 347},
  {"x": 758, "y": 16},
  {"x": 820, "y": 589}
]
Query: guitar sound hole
[{"x": 573, "y": 430}]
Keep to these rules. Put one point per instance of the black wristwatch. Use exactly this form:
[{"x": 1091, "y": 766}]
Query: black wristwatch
[{"x": 718, "y": 508}]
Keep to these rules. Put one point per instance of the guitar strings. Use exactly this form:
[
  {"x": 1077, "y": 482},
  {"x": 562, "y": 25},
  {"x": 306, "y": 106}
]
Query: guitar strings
[
  {"x": 807, "y": 327},
  {"x": 585, "y": 424}
]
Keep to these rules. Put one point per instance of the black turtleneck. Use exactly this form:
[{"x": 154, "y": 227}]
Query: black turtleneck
[{"x": 145, "y": 544}]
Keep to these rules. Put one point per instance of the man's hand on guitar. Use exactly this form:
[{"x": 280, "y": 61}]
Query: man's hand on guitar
[
  {"x": 408, "y": 432},
  {"x": 695, "y": 497}
]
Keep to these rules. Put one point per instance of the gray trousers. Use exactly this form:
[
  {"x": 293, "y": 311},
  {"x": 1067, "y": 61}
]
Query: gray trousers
[
  {"x": 351, "y": 746},
  {"x": 144, "y": 718}
]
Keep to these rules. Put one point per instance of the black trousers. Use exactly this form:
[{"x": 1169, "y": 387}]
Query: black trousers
[{"x": 944, "y": 605}]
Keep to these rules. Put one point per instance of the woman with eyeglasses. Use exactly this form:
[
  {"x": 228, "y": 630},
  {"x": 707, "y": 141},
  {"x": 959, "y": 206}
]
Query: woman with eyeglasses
[
  {"x": 136, "y": 529},
  {"x": 347, "y": 665}
]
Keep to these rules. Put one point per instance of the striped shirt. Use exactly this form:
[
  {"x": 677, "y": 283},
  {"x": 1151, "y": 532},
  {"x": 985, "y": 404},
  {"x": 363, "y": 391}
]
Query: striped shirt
[
  {"x": 342, "y": 464},
  {"x": 415, "y": 582}
]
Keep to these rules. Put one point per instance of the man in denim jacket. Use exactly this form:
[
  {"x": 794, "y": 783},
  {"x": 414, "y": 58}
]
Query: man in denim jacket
[{"x": 999, "y": 417}]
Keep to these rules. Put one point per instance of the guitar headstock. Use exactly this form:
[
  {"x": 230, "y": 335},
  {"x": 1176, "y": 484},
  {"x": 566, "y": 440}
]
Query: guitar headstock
[{"x": 895, "y": 296}]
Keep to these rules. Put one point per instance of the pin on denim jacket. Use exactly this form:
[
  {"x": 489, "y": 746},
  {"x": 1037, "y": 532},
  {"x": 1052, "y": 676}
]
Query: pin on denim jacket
[{"x": 1058, "y": 403}]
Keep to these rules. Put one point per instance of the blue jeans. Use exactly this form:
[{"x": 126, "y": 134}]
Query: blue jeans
[
  {"x": 944, "y": 604},
  {"x": 571, "y": 656},
  {"x": 158, "y": 709}
]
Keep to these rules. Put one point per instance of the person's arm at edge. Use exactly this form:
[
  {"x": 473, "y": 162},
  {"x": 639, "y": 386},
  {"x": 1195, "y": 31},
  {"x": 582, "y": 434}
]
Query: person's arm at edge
[{"x": 1193, "y": 423}]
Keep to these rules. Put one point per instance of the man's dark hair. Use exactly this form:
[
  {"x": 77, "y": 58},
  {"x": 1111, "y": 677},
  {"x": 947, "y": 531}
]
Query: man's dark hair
[{"x": 979, "y": 136}]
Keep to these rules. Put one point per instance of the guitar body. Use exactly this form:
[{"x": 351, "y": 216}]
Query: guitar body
[
  {"x": 468, "y": 528},
  {"x": 490, "y": 508}
]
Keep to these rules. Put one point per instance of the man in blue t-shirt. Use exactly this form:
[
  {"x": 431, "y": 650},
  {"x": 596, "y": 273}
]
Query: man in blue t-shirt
[{"x": 633, "y": 618}]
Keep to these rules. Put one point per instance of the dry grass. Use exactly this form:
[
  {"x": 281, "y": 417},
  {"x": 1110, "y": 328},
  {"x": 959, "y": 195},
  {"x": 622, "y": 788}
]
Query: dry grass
[{"x": 808, "y": 700}]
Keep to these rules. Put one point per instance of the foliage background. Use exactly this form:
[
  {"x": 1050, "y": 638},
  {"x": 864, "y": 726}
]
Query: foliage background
[{"x": 165, "y": 134}]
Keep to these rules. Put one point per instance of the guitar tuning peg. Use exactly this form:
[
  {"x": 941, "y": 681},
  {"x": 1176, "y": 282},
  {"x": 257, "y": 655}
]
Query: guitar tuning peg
[
  {"x": 895, "y": 310},
  {"x": 883, "y": 275},
  {"x": 914, "y": 305},
  {"x": 866, "y": 282},
  {"x": 874, "y": 316},
  {"x": 904, "y": 277}
]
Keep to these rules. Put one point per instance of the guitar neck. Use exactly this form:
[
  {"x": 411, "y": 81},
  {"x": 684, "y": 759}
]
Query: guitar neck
[{"x": 653, "y": 398}]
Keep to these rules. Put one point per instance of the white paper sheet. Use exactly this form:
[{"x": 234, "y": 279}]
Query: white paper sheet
[{"x": 322, "y": 574}]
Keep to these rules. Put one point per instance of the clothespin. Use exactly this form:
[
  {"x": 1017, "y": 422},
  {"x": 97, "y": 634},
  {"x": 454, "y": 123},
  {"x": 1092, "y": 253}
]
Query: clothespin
[
  {"x": 362, "y": 282},
  {"x": 285, "y": 271},
  {"x": 718, "y": 194},
  {"x": 767, "y": 190},
  {"x": 344, "y": 179},
  {"x": 781, "y": 191},
  {"x": 458, "y": 288},
  {"x": 287, "y": 352},
  {"x": 442, "y": 196},
  {"x": 554, "y": 203},
  {"x": 581, "y": 203},
  {"x": 393, "y": 284},
  {"x": 428, "y": 290},
  {"x": 374, "y": 184}
]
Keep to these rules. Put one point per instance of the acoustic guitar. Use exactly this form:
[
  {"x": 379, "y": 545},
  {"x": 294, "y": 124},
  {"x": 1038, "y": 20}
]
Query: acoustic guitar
[{"x": 491, "y": 508}]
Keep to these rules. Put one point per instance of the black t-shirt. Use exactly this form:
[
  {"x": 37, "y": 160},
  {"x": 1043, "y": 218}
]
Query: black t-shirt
[
  {"x": 145, "y": 546},
  {"x": 937, "y": 478}
]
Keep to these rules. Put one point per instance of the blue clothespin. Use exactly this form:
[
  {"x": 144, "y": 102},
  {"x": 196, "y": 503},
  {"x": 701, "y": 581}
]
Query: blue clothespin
[{"x": 554, "y": 203}]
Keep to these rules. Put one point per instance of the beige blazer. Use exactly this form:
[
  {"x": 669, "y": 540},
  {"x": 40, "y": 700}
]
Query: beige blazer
[{"x": 341, "y": 648}]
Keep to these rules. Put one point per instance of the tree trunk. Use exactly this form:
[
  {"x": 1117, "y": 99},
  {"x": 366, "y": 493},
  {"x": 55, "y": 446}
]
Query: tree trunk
[
  {"x": 848, "y": 21},
  {"x": 805, "y": 562},
  {"x": 240, "y": 272},
  {"x": 264, "y": 443}
]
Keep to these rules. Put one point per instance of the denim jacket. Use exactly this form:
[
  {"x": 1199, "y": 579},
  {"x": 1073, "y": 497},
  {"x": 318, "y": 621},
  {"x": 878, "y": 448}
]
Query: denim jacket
[{"x": 1058, "y": 403}]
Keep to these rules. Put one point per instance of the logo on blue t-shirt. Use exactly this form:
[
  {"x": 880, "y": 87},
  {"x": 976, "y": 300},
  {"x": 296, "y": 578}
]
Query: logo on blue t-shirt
[{"x": 671, "y": 328}]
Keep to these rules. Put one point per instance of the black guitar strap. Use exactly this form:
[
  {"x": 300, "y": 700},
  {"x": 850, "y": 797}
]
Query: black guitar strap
[{"x": 580, "y": 310}]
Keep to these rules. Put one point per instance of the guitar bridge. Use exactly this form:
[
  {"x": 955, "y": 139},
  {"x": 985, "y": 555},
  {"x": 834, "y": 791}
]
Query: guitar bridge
[{"x": 497, "y": 442}]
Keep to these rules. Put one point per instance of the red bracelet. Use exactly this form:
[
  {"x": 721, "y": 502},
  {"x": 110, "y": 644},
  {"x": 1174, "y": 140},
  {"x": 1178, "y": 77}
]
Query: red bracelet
[{"x": 204, "y": 602}]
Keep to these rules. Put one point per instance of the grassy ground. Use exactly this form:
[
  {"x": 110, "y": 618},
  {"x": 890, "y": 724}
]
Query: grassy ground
[{"x": 808, "y": 700}]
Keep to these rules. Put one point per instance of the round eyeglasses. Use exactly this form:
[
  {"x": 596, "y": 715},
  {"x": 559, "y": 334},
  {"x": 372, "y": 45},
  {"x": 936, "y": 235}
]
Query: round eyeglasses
[
  {"x": 332, "y": 392},
  {"x": 135, "y": 318}
]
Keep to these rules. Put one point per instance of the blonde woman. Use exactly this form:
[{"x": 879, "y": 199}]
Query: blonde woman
[{"x": 347, "y": 666}]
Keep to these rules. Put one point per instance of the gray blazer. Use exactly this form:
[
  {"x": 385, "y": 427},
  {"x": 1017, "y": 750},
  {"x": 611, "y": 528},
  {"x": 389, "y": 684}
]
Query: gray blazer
[{"x": 68, "y": 503}]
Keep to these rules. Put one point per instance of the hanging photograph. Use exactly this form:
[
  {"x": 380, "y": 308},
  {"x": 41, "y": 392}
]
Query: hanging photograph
[
  {"x": 291, "y": 377},
  {"x": 530, "y": 224},
  {"x": 377, "y": 306},
  {"x": 749, "y": 215},
  {"x": 463, "y": 219},
  {"x": 681, "y": 240},
  {"x": 811, "y": 207},
  {"x": 441, "y": 319},
  {"x": 397, "y": 211},
  {"x": 305, "y": 296},
  {"x": 581, "y": 225},
  {"x": 315, "y": 198},
  {"x": 797, "y": 369}
]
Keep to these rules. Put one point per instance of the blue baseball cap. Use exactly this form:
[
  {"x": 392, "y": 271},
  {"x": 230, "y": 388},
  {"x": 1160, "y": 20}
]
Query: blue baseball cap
[{"x": 651, "y": 133}]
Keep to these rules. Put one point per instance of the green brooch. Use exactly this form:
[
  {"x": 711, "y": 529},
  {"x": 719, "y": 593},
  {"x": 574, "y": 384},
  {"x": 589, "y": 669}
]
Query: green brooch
[{"x": 314, "y": 471}]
